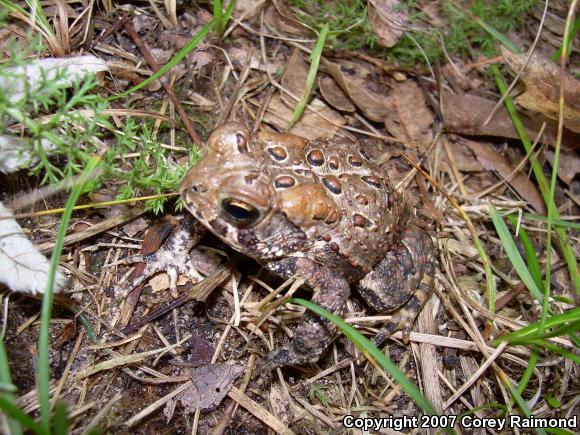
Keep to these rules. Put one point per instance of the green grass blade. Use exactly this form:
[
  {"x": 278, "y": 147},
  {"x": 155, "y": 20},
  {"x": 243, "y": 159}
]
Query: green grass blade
[
  {"x": 502, "y": 39},
  {"x": 531, "y": 255},
  {"x": 314, "y": 63},
  {"x": 37, "y": 13},
  {"x": 556, "y": 222},
  {"x": 37, "y": 17},
  {"x": 521, "y": 403},
  {"x": 556, "y": 321},
  {"x": 61, "y": 423},
  {"x": 513, "y": 254},
  {"x": 573, "y": 32},
  {"x": 559, "y": 350},
  {"x": 197, "y": 38},
  {"x": 217, "y": 16},
  {"x": 371, "y": 351},
  {"x": 571, "y": 328},
  {"x": 567, "y": 250},
  {"x": 228, "y": 13},
  {"x": 529, "y": 370},
  {"x": 47, "y": 300},
  {"x": 18, "y": 414},
  {"x": 6, "y": 379}
]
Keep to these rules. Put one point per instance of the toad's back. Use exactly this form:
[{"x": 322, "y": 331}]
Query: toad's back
[{"x": 345, "y": 204}]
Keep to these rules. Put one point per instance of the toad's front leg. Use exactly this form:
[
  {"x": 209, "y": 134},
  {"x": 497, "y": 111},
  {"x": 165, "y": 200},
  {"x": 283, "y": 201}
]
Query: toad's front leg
[
  {"x": 314, "y": 333},
  {"x": 172, "y": 257}
]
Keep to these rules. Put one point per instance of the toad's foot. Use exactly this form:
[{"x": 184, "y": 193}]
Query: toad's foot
[{"x": 172, "y": 257}]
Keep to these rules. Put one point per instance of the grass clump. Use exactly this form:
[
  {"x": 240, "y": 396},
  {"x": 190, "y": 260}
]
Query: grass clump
[
  {"x": 62, "y": 124},
  {"x": 462, "y": 35}
]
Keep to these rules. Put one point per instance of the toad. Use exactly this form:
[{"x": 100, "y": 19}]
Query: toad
[{"x": 319, "y": 210}]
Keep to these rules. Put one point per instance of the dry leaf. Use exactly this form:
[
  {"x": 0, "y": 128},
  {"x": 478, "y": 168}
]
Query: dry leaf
[
  {"x": 201, "y": 350},
  {"x": 466, "y": 114},
  {"x": 333, "y": 95},
  {"x": 136, "y": 226},
  {"x": 248, "y": 9},
  {"x": 161, "y": 56},
  {"x": 494, "y": 161},
  {"x": 284, "y": 23},
  {"x": 239, "y": 51},
  {"x": 294, "y": 79},
  {"x": 201, "y": 101},
  {"x": 410, "y": 120},
  {"x": 66, "y": 334},
  {"x": 464, "y": 159},
  {"x": 568, "y": 165},
  {"x": 317, "y": 121},
  {"x": 211, "y": 383},
  {"x": 433, "y": 11},
  {"x": 356, "y": 79},
  {"x": 388, "y": 20},
  {"x": 542, "y": 78}
]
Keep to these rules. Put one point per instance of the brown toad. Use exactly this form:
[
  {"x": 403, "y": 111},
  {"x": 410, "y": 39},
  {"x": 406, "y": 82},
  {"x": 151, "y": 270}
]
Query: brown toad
[{"x": 319, "y": 210}]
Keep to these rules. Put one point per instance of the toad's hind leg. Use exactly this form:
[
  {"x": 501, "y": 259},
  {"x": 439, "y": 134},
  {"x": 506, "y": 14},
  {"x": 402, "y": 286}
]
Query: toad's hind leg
[
  {"x": 402, "y": 281},
  {"x": 314, "y": 333}
]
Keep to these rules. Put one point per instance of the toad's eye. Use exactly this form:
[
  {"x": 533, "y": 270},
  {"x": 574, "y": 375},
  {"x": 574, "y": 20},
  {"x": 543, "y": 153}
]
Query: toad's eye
[{"x": 240, "y": 213}]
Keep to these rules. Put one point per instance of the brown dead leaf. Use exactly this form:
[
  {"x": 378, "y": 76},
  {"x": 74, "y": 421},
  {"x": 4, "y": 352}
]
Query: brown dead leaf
[
  {"x": 68, "y": 333},
  {"x": 248, "y": 9},
  {"x": 161, "y": 56},
  {"x": 284, "y": 23},
  {"x": 410, "y": 120},
  {"x": 357, "y": 81},
  {"x": 136, "y": 226},
  {"x": 238, "y": 53},
  {"x": 463, "y": 157},
  {"x": 457, "y": 75},
  {"x": 202, "y": 350},
  {"x": 294, "y": 79},
  {"x": 568, "y": 165},
  {"x": 542, "y": 78},
  {"x": 333, "y": 95},
  {"x": 388, "y": 20},
  {"x": 317, "y": 121},
  {"x": 434, "y": 11},
  {"x": 494, "y": 161},
  {"x": 211, "y": 383},
  {"x": 466, "y": 114}
]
